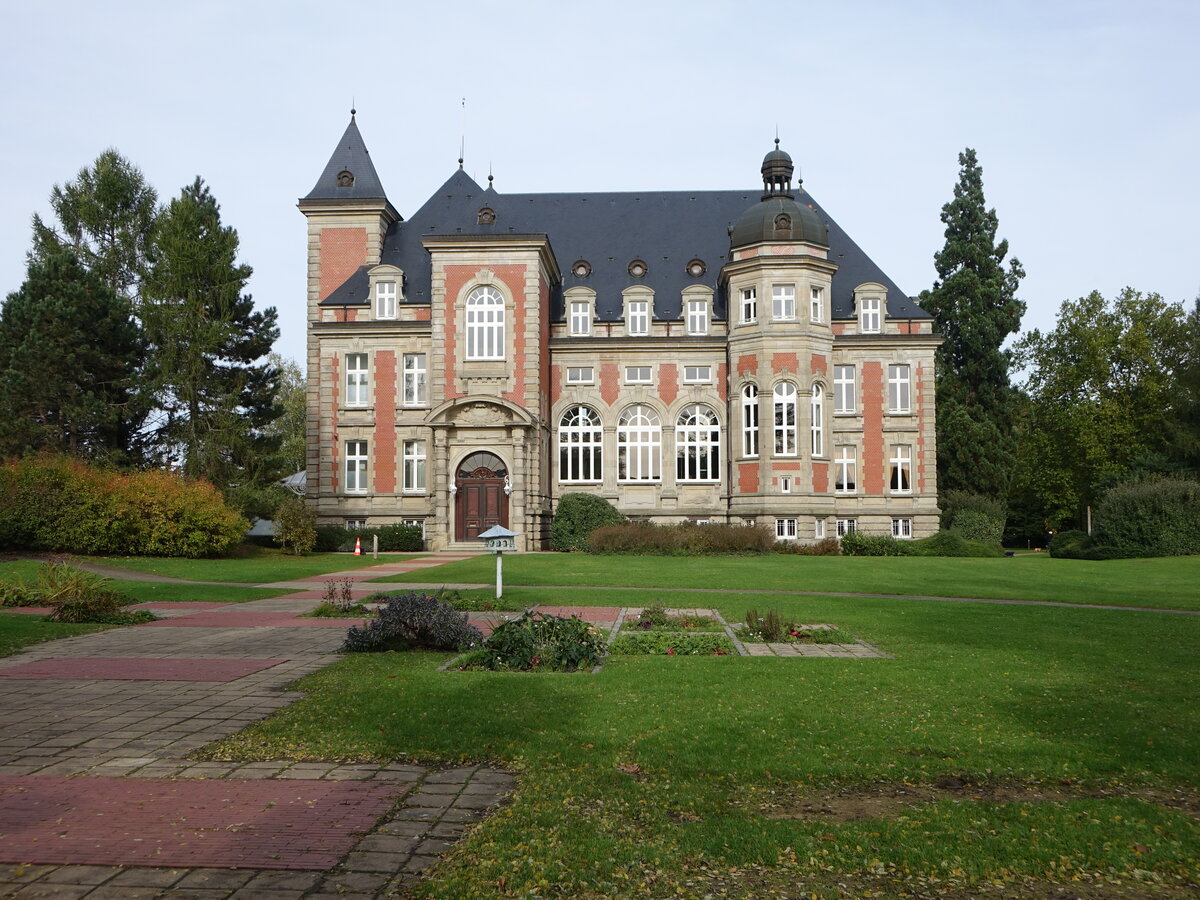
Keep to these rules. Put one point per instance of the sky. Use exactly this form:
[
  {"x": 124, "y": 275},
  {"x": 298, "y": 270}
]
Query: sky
[{"x": 1085, "y": 117}]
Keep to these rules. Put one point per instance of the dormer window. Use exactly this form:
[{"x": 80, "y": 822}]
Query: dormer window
[
  {"x": 868, "y": 315},
  {"x": 581, "y": 318},
  {"x": 385, "y": 300},
  {"x": 639, "y": 310},
  {"x": 486, "y": 216}
]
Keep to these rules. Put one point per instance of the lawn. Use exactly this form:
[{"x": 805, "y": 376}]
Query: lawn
[
  {"x": 1005, "y": 748},
  {"x": 18, "y": 630},
  {"x": 257, "y": 566},
  {"x": 1169, "y": 583}
]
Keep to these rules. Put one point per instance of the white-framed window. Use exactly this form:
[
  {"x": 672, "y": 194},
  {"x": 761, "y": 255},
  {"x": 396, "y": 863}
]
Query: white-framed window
[
  {"x": 356, "y": 467},
  {"x": 816, "y": 311},
  {"x": 637, "y": 314},
  {"x": 845, "y": 470},
  {"x": 868, "y": 315},
  {"x": 899, "y": 389},
  {"x": 900, "y": 469},
  {"x": 485, "y": 324},
  {"x": 785, "y": 419},
  {"x": 818, "y": 528},
  {"x": 385, "y": 300},
  {"x": 785, "y": 529},
  {"x": 783, "y": 302},
  {"x": 580, "y": 319},
  {"x": 844, "y": 390},
  {"x": 639, "y": 445},
  {"x": 356, "y": 524},
  {"x": 580, "y": 442},
  {"x": 697, "y": 317},
  {"x": 846, "y": 526},
  {"x": 414, "y": 467},
  {"x": 750, "y": 421},
  {"x": 580, "y": 375},
  {"x": 697, "y": 445},
  {"x": 785, "y": 484},
  {"x": 697, "y": 374},
  {"x": 356, "y": 379},
  {"x": 817, "y": 408},
  {"x": 415, "y": 523},
  {"x": 749, "y": 305},
  {"x": 416, "y": 385},
  {"x": 638, "y": 375},
  {"x": 902, "y": 529}
]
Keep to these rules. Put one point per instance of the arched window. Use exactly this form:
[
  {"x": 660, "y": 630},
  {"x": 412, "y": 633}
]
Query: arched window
[
  {"x": 785, "y": 419},
  {"x": 818, "y": 433},
  {"x": 580, "y": 437},
  {"x": 485, "y": 324},
  {"x": 697, "y": 445},
  {"x": 750, "y": 420},
  {"x": 639, "y": 445}
]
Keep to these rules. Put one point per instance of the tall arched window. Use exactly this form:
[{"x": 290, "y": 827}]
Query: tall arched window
[
  {"x": 697, "y": 445},
  {"x": 818, "y": 433},
  {"x": 639, "y": 445},
  {"x": 485, "y": 324},
  {"x": 750, "y": 420},
  {"x": 580, "y": 437},
  {"x": 785, "y": 419}
]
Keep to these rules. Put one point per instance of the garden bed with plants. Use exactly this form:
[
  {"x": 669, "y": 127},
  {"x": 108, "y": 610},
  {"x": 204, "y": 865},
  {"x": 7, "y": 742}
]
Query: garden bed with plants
[
  {"x": 657, "y": 617},
  {"x": 72, "y": 595},
  {"x": 772, "y": 628}
]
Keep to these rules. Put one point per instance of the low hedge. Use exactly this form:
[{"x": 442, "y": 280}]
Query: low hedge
[
  {"x": 944, "y": 543},
  {"x": 685, "y": 539},
  {"x": 392, "y": 538},
  {"x": 58, "y": 504}
]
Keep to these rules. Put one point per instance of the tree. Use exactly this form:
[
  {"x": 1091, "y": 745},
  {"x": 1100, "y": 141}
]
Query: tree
[
  {"x": 216, "y": 396},
  {"x": 1102, "y": 392},
  {"x": 106, "y": 216},
  {"x": 975, "y": 307},
  {"x": 1185, "y": 426},
  {"x": 69, "y": 356},
  {"x": 292, "y": 425}
]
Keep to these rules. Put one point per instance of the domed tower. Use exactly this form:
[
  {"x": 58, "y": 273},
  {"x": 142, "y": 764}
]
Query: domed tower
[{"x": 778, "y": 284}]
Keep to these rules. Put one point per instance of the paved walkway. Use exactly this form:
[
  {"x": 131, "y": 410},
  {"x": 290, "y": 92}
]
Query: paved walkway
[{"x": 99, "y": 799}]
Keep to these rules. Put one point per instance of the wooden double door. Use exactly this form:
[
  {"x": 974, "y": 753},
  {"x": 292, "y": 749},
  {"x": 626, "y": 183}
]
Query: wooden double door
[{"x": 480, "y": 500}]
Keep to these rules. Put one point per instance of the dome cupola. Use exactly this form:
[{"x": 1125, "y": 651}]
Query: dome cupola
[{"x": 777, "y": 216}]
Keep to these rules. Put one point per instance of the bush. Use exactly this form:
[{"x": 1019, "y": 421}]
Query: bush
[
  {"x": 413, "y": 619},
  {"x": 825, "y": 547},
  {"x": 1151, "y": 517},
  {"x": 577, "y": 516},
  {"x": 660, "y": 643},
  {"x": 536, "y": 641},
  {"x": 856, "y": 543},
  {"x": 296, "y": 526},
  {"x": 978, "y": 526},
  {"x": 392, "y": 538},
  {"x": 62, "y": 505},
  {"x": 685, "y": 539},
  {"x": 953, "y": 503},
  {"x": 1067, "y": 543},
  {"x": 952, "y": 543},
  {"x": 73, "y": 595}
]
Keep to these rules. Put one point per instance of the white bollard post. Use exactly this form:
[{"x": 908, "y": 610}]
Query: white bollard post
[
  {"x": 375, "y": 546},
  {"x": 499, "y": 574}
]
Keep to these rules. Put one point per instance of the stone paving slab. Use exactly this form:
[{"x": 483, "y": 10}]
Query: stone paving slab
[
  {"x": 135, "y": 669},
  {"x": 28, "y": 610},
  {"x": 268, "y": 824},
  {"x": 185, "y": 605},
  {"x": 226, "y": 619},
  {"x": 597, "y": 615}
]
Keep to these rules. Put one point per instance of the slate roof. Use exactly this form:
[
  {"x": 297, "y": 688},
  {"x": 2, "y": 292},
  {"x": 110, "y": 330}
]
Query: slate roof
[
  {"x": 665, "y": 229},
  {"x": 350, "y": 155}
]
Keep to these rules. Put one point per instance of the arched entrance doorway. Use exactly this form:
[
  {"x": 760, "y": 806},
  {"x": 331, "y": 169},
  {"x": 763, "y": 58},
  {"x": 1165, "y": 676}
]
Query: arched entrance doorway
[{"x": 480, "y": 501}]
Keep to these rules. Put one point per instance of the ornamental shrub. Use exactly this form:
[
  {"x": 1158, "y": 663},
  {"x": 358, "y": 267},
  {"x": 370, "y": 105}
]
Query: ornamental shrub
[
  {"x": 1150, "y": 517},
  {"x": 537, "y": 641},
  {"x": 856, "y": 543},
  {"x": 73, "y": 595},
  {"x": 829, "y": 546},
  {"x": 60, "y": 504},
  {"x": 296, "y": 526},
  {"x": 577, "y": 516},
  {"x": 952, "y": 543},
  {"x": 978, "y": 526},
  {"x": 1067, "y": 544},
  {"x": 392, "y": 538},
  {"x": 413, "y": 619},
  {"x": 954, "y": 502},
  {"x": 685, "y": 539}
]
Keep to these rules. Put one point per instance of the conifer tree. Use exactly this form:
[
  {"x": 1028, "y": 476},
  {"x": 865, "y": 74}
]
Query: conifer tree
[
  {"x": 975, "y": 308},
  {"x": 70, "y": 353},
  {"x": 213, "y": 386}
]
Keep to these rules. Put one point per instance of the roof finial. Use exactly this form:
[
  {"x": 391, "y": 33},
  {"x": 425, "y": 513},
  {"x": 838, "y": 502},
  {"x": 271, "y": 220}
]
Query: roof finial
[
  {"x": 462, "y": 143},
  {"x": 353, "y": 111},
  {"x": 491, "y": 177}
]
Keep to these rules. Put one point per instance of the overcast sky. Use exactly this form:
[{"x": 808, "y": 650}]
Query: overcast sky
[{"x": 1084, "y": 115}]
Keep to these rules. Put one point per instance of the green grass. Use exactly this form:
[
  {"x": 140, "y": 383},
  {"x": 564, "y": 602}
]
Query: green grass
[
  {"x": 18, "y": 630},
  {"x": 665, "y": 774},
  {"x": 1168, "y": 583},
  {"x": 159, "y": 592},
  {"x": 257, "y": 566}
]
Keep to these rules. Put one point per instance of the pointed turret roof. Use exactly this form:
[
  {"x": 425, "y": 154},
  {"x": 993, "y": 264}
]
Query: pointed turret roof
[{"x": 349, "y": 174}]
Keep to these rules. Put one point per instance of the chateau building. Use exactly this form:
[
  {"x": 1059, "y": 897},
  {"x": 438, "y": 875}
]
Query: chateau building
[{"x": 721, "y": 356}]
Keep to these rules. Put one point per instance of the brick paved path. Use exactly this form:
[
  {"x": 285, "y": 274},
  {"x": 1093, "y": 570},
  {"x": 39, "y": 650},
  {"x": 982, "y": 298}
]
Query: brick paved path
[{"x": 120, "y": 711}]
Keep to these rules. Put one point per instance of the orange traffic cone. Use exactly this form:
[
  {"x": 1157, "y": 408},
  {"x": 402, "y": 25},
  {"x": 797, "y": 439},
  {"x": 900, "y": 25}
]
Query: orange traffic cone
[{"x": 358, "y": 546}]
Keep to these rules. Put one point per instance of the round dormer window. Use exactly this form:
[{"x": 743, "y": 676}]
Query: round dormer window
[
  {"x": 638, "y": 268},
  {"x": 696, "y": 268},
  {"x": 345, "y": 178},
  {"x": 582, "y": 268}
]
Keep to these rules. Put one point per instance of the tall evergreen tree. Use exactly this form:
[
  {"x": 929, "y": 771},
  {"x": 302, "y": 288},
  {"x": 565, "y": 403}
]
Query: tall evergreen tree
[
  {"x": 105, "y": 216},
  {"x": 215, "y": 391},
  {"x": 975, "y": 306},
  {"x": 70, "y": 352}
]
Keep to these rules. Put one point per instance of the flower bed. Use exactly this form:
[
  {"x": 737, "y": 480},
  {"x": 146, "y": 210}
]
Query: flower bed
[{"x": 661, "y": 643}]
